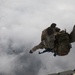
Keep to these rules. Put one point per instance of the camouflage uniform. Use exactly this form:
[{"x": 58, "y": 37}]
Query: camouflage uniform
[
  {"x": 41, "y": 45},
  {"x": 47, "y": 41},
  {"x": 62, "y": 44}
]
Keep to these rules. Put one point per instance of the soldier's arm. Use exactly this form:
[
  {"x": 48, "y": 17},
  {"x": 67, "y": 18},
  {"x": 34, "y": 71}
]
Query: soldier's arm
[{"x": 43, "y": 35}]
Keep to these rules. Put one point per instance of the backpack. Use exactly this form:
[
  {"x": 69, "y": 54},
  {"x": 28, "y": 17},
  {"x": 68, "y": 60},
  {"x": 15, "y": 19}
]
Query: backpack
[{"x": 62, "y": 44}]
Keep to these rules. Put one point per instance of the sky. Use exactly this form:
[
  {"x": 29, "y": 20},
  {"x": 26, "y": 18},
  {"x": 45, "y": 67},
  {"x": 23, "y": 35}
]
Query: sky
[{"x": 21, "y": 25}]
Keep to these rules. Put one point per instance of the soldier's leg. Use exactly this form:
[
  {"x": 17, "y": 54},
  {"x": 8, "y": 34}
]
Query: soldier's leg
[
  {"x": 46, "y": 50},
  {"x": 39, "y": 46}
]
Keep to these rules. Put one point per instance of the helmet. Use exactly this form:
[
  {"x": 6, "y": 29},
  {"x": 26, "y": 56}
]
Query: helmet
[{"x": 53, "y": 25}]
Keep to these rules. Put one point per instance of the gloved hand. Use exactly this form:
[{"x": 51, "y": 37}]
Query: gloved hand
[{"x": 30, "y": 51}]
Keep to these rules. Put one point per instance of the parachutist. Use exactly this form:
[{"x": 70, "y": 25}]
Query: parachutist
[{"x": 55, "y": 40}]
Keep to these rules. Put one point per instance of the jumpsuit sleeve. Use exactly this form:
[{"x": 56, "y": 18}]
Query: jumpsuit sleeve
[{"x": 43, "y": 36}]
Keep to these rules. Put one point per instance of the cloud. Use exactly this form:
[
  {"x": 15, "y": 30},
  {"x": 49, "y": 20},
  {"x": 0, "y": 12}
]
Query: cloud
[
  {"x": 21, "y": 23},
  {"x": 14, "y": 53}
]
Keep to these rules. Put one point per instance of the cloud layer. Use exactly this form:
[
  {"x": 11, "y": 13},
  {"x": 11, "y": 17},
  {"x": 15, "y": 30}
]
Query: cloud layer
[{"x": 21, "y": 23}]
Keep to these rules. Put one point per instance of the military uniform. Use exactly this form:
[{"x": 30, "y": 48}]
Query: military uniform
[
  {"x": 41, "y": 45},
  {"x": 47, "y": 40},
  {"x": 63, "y": 45}
]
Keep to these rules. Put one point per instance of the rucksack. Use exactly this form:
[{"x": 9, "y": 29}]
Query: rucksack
[{"x": 62, "y": 44}]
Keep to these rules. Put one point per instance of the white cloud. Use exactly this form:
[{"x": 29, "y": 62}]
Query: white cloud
[{"x": 21, "y": 23}]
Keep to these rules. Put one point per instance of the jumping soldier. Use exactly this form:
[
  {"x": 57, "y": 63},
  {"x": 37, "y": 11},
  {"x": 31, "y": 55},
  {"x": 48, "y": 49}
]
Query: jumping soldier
[{"x": 47, "y": 38}]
